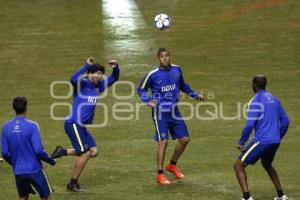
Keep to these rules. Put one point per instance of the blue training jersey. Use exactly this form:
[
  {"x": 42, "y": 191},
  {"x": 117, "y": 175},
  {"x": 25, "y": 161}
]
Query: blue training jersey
[
  {"x": 165, "y": 85},
  {"x": 267, "y": 117},
  {"x": 22, "y": 146},
  {"x": 86, "y": 94}
]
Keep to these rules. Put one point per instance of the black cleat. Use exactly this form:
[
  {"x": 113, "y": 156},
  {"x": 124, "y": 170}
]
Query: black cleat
[
  {"x": 58, "y": 152},
  {"x": 74, "y": 187}
]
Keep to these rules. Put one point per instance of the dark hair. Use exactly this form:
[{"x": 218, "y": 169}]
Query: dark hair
[
  {"x": 95, "y": 68},
  {"x": 260, "y": 81},
  {"x": 20, "y": 105},
  {"x": 161, "y": 49}
]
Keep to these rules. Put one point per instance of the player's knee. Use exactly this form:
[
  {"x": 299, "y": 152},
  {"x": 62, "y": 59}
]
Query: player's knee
[
  {"x": 94, "y": 153},
  {"x": 163, "y": 142},
  {"x": 184, "y": 141},
  {"x": 85, "y": 153},
  {"x": 237, "y": 165}
]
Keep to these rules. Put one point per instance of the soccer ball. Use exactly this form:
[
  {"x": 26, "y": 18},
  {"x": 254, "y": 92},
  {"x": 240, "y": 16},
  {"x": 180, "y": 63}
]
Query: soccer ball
[{"x": 162, "y": 21}]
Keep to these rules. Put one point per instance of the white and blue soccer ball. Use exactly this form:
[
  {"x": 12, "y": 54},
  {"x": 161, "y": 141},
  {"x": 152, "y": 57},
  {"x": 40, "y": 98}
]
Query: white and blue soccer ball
[{"x": 162, "y": 21}]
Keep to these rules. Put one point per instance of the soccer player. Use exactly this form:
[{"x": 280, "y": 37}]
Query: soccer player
[
  {"x": 23, "y": 149},
  {"x": 270, "y": 122},
  {"x": 86, "y": 92},
  {"x": 166, "y": 81}
]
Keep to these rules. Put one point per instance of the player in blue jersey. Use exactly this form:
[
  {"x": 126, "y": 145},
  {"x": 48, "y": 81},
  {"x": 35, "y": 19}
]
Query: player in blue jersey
[
  {"x": 86, "y": 92},
  {"x": 270, "y": 122},
  {"x": 23, "y": 149},
  {"x": 166, "y": 81}
]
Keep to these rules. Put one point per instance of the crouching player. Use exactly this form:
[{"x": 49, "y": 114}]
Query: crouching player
[
  {"x": 23, "y": 149},
  {"x": 270, "y": 122},
  {"x": 86, "y": 92},
  {"x": 166, "y": 81}
]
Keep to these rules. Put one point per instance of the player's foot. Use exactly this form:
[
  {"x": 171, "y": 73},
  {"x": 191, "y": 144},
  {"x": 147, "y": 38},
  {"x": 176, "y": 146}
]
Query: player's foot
[
  {"x": 1, "y": 159},
  {"x": 58, "y": 152},
  {"x": 162, "y": 179},
  {"x": 284, "y": 197},
  {"x": 174, "y": 170},
  {"x": 248, "y": 199},
  {"x": 74, "y": 187}
]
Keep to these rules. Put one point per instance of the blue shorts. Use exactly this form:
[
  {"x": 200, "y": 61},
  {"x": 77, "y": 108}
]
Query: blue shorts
[
  {"x": 80, "y": 138},
  {"x": 169, "y": 123},
  {"x": 255, "y": 151},
  {"x": 38, "y": 180}
]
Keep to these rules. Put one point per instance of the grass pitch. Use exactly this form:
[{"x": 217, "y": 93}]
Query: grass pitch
[{"x": 220, "y": 46}]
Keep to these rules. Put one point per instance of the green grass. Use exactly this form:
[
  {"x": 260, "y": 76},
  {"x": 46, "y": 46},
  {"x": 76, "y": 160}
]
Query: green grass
[{"x": 220, "y": 45}]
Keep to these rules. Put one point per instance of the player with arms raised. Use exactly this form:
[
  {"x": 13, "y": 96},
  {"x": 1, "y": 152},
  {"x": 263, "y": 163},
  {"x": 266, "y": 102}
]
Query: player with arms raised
[{"x": 86, "y": 92}]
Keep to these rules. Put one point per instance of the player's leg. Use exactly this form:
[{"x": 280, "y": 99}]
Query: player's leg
[
  {"x": 161, "y": 136},
  {"x": 23, "y": 187},
  {"x": 82, "y": 160},
  {"x": 178, "y": 131},
  {"x": 84, "y": 157},
  {"x": 42, "y": 185},
  {"x": 179, "y": 148},
  {"x": 160, "y": 154},
  {"x": 241, "y": 176},
  {"x": 266, "y": 162},
  {"x": 250, "y": 155},
  {"x": 80, "y": 142},
  {"x": 80, "y": 164},
  {"x": 92, "y": 145},
  {"x": 60, "y": 151}
]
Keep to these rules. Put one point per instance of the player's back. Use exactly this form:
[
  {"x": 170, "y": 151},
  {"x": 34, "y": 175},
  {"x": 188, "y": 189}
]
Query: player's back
[
  {"x": 267, "y": 129},
  {"x": 20, "y": 144}
]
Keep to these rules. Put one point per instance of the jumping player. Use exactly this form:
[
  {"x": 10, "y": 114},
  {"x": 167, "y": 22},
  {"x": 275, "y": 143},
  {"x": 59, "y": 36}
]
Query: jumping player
[
  {"x": 166, "y": 81},
  {"x": 86, "y": 92}
]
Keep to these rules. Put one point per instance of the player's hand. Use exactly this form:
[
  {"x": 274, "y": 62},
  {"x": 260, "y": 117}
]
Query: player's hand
[
  {"x": 90, "y": 60},
  {"x": 113, "y": 63},
  {"x": 152, "y": 103},
  {"x": 200, "y": 97},
  {"x": 241, "y": 147}
]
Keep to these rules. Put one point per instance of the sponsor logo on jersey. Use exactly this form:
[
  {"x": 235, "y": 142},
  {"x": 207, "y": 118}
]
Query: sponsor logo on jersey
[{"x": 168, "y": 88}]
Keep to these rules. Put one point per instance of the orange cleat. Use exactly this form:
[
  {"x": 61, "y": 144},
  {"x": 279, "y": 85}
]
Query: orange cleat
[
  {"x": 174, "y": 170},
  {"x": 162, "y": 179}
]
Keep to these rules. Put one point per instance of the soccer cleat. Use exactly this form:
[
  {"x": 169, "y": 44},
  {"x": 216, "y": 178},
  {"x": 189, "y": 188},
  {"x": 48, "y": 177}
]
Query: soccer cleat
[
  {"x": 74, "y": 187},
  {"x": 57, "y": 153},
  {"x": 1, "y": 160},
  {"x": 174, "y": 170},
  {"x": 284, "y": 197},
  {"x": 162, "y": 179},
  {"x": 248, "y": 199}
]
